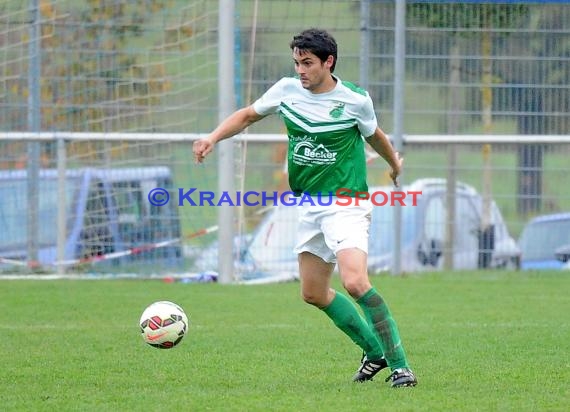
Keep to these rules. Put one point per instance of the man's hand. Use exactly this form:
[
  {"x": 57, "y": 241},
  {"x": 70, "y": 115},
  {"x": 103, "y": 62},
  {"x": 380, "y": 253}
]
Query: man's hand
[
  {"x": 396, "y": 171},
  {"x": 201, "y": 148},
  {"x": 381, "y": 145}
]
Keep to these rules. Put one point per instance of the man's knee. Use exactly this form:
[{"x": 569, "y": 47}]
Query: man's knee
[
  {"x": 311, "y": 298},
  {"x": 356, "y": 286},
  {"x": 353, "y": 271},
  {"x": 320, "y": 300}
]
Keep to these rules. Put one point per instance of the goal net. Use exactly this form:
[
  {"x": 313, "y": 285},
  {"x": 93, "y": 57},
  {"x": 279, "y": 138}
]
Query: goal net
[
  {"x": 139, "y": 68},
  {"x": 147, "y": 66}
]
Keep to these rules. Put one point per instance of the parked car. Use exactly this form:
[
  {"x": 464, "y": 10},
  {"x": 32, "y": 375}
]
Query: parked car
[
  {"x": 563, "y": 255},
  {"x": 423, "y": 233},
  {"x": 107, "y": 211},
  {"x": 545, "y": 242}
]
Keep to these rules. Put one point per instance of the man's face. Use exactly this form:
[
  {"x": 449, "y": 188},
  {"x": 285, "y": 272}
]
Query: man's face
[{"x": 311, "y": 70}]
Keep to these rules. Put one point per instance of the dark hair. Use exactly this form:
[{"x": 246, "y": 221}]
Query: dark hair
[{"x": 316, "y": 41}]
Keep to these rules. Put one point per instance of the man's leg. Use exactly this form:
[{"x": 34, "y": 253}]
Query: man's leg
[
  {"x": 315, "y": 276},
  {"x": 354, "y": 275}
]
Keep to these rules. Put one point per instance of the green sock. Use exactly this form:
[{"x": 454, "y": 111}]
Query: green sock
[
  {"x": 346, "y": 317},
  {"x": 379, "y": 317}
]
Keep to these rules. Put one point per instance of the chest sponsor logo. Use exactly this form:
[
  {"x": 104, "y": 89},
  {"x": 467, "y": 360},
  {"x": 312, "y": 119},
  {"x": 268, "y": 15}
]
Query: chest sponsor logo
[{"x": 307, "y": 153}]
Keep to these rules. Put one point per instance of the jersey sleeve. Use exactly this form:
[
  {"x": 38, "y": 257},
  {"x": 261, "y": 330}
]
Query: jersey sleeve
[
  {"x": 367, "y": 121},
  {"x": 269, "y": 102}
]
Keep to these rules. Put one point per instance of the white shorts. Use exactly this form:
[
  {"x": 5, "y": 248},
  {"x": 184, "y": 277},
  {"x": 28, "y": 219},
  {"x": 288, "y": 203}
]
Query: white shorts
[{"x": 324, "y": 230}]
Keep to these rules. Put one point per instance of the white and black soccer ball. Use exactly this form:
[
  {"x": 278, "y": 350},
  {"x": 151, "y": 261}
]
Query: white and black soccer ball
[{"x": 163, "y": 324}]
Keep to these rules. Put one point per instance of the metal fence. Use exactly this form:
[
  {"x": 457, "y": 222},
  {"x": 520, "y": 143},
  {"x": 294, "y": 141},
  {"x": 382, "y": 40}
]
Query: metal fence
[{"x": 151, "y": 67}]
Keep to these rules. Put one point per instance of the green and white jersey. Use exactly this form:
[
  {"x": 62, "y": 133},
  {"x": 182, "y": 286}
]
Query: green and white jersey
[{"x": 326, "y": 149}]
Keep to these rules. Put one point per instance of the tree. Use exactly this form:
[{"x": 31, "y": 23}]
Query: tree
[
  {"x": 540, "y": 94},
  {"x": 96, "y": 84},
  {"x": 86, "y": 67},
  {"x": 92, "y": 78}
]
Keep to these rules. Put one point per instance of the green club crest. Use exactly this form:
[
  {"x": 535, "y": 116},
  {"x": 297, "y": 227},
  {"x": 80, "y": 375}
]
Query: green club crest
[{"x": 337, "y": 110}]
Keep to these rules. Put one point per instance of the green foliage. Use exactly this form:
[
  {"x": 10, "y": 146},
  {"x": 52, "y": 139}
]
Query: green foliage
[
  {"x": 459, "y": 16},
  {"x": 483, "y": 20},
  {"x": 483, "y": 341},
  {"x": 86, "y": 64}
]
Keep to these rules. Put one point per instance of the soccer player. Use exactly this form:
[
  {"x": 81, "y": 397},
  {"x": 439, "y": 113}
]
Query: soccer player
[{"x": 326, "y": 120}]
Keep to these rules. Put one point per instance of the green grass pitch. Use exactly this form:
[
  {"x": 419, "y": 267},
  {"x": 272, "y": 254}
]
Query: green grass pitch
[{"x": 486, "y": 341}]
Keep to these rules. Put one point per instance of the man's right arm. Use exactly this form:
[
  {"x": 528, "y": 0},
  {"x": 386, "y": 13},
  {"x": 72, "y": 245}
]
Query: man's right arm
[
  {"x": 234, "y": 124},
  {"x": 231, "y": 126}
]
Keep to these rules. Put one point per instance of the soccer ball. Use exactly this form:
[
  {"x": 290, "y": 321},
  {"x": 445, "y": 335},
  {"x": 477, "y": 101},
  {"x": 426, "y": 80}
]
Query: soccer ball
[{"x": 163, "y": 324}]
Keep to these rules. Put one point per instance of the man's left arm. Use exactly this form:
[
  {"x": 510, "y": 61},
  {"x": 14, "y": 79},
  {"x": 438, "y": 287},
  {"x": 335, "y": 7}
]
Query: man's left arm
[{"x": 381, "y": 145}]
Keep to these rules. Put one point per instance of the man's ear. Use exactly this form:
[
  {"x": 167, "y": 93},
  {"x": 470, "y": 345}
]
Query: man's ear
[{"x": 329, "y": 61}]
